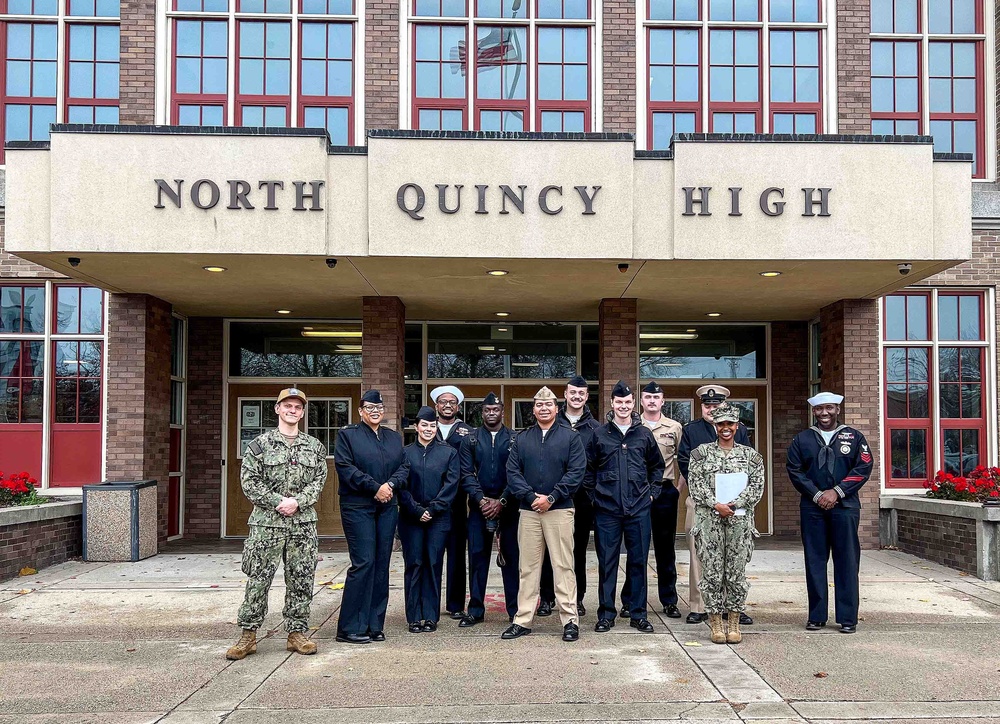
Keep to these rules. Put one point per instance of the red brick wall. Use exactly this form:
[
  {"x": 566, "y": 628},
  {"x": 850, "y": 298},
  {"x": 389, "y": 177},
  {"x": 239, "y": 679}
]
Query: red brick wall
[
  {"x": 138, "y": 411},
  {"x": 138, "y": 33},
  {"x": 381, "y": 65},
  {"x": 789, "y": 415},
  {"x": 618, "y": 335},
  {"x": 619, "y": 66},
  {"x": 383, "y": 324},
  {"x": 849, "y": 356},
  {"x": 203, "y": 499},
  {"x": 39, "y": 544},
  {"x": 853, "y": 67},
  {"x": 15, "y": 267},
  {"x": 942, "y": 539}
]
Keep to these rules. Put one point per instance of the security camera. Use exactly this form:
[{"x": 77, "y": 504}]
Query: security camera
[
  {"x": 74, "y": 261},
  {"x": 623, "y": 268},
  {"x": 331, "y": 262},
  {"x": 904, "y": 269}
]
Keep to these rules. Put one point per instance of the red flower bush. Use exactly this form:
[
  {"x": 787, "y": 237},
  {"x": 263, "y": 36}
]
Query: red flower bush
[
  {"x": 980, "y": 486},
  {"x": 18, "y": 489}
]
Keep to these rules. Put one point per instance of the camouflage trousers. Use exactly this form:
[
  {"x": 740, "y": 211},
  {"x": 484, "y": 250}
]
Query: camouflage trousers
[
  {"x": 724, "y": 549},
  {"x": 262, "y": 552}
]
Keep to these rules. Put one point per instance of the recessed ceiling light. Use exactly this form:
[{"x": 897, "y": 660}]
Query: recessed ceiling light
[
  {"x": 214, "y": 268},
  {"x": 498, "y": 272},
  {"x": 486, "y": 348},
  {"x": 503, "y": 314},
  {"x": 771, "y": 274},
  {"x": 667, "y": 335},
  {"x": 714, "y": 314},
  {"x": 501, "y": 329},
  {"x": 690, "y": 330},
  {"x": 283, "y": 311}
]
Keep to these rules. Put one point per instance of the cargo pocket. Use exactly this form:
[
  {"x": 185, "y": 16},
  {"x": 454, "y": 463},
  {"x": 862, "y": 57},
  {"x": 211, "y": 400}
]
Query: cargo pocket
[{"x": 254, "y": 557}]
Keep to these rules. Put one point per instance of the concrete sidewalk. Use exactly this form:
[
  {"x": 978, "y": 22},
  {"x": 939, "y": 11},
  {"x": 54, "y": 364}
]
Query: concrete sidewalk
[{"x": 145, "y": 642}]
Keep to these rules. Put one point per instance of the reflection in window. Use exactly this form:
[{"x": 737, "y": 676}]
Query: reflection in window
[
  {"x": 908, "y": 454},
  {"x": 906, "y": 317},
  {"x": 961, "y": 451},
  {"x": 679, "y": 410},
  {"x": 22, "y": 309},
  {"x": 293, "y": 350},
  {"x": 79, "y": 310},
  {"x": 543, "y": 351},
  {"x": 959, "y": 317},
  {"x": 907, "y": 382},
  {"x": 702, "y": 352},
  {"x": 78, "y": 382},
  {"x": 325, "y": 418},
  {"x": 21, "y": 373},
  {"x": 960, "y": 388}
]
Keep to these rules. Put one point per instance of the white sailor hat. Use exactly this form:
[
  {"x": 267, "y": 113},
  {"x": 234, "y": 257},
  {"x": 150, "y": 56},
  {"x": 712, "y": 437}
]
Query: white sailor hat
[
  {"x": 438, "y": 391},
  {"x": 825, "y": 398}
]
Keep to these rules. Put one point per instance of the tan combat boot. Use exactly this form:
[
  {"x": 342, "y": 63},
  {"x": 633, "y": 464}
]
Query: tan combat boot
[
  {"x": 734, "y": 636},
  {"x": 300, "y": 644},
  {"x": 715, "y": 621},
  {"x": 244, "y": 647}
]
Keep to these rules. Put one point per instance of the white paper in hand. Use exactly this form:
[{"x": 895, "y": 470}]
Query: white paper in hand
[{"x": 728, "y": 486}]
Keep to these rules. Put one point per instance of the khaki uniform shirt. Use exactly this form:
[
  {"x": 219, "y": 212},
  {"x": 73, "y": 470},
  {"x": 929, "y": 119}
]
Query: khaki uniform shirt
[
  {"x": 274, "y": 469},
  {"x": 667, "y": 434}
]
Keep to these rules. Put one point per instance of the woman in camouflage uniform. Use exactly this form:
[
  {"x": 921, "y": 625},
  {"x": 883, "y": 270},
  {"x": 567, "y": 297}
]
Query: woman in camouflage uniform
[{"x": 724, "y": 532}]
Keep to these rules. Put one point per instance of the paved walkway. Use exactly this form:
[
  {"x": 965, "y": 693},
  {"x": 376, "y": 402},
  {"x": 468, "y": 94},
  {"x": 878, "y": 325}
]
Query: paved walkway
[{"x": 145, "y": 642}]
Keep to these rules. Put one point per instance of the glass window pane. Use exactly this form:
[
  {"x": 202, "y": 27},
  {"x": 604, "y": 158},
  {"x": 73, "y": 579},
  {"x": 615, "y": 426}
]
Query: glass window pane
[
  {"x": 720, "y": 86},
  {"x": 948, "y": 399},
  {"x": 939, "y": 12},
  {"x": 916, "y": 317},
  {"x": 251, "y": 77},
  {"x": 918, "y": 453},
  {"x": 948, "y": 317},
  {"x": 722, "y": 123},
  {"x": 971, "y": 401},
  {"x": 781, "y": 11},
  {"x": 964, "y": 17},
  {"x": 905, "y": 16},
  {"x": 575, "y": 83},
  {"x": 686, "y": 83},
  {"x": 67, "y": 310},
  {"x": 747, "y": 84},
  {"x": 782, "y": 123},
  {"x": 969, "y": 311},
  {"x": 782, "y": 80},
  {"x": 916, "y": 364}
]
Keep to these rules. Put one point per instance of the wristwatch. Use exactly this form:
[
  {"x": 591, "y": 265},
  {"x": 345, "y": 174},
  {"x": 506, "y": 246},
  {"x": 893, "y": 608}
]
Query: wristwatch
[{"x": 552, "y": 501}]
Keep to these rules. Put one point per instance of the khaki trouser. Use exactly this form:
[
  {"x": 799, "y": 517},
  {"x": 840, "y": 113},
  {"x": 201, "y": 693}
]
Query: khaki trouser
[
  {"x": 537, "y": 532},
  {"x": 694, "y": 570}
]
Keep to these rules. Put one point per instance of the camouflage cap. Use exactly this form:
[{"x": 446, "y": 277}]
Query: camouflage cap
[
  {"x": 725, "y": 413},
  {"x": 292, "y": 392}
]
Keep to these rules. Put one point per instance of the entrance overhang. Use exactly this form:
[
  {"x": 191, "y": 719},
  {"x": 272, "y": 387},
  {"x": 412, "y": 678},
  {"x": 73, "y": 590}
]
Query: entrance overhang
[{"x": 425, "y": 216}]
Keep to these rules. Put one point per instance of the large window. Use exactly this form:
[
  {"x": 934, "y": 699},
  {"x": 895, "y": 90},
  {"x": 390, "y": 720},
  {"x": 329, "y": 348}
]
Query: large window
[
  {"x": 733, "y": 66},
  {"x": 294, "y": 350},
  {"x": 292, "y": 64},
  {"x": 702, "y": 351},
  {"x": 531, "y": 70},
  {"x": 928, "y": 73},
  {"x": 935, "y": 350},
  {"x": 528, "y": 351},
  {"x": 43, "y": 40}
]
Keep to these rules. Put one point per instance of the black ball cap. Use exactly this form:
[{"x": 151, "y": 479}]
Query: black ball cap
[
  {"x": 427, "y": 413},
  {"x": 372, "y": 396},
  {"x": 577, "y": 381},
  {"x": 652, "y": 388},
  {"x": 621, "y": 390},
  {"x": 492, "y": 399}
]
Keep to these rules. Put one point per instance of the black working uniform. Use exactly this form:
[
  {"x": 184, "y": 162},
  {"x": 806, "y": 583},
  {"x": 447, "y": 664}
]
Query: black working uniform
[
  {"x": 483, "y": 458},
  {"x": 698, "y": 432},
  {"x": 844, "y": 465},
  {"x": 455, "y": 588},
  {"x": 431, "y": 487},
  {"x": 624, "y": 474},
  {"x": 583, "y": 519},
  {"x": 365, "y": 459}
]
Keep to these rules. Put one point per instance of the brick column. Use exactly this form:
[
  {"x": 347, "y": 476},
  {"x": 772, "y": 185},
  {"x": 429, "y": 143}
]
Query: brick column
[
  {"x": 381, "y": 65},
  {"x": 138, "y": 74},
  {"x": 383, "y": 324},
  {"x": 854, "y": 67},
  {"x": 849, "y": 356},
  {"x": 619, "y": 66},
  {"x": 203, "y": 483},
  {"x": 789, "y": 415},
  {"x": 138, "y": 410},
  {"x": 619, "y": 346}
]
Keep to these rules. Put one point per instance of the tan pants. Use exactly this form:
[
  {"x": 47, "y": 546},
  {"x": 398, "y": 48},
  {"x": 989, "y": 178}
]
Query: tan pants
[
  {"x": 537, "y": 532},
  {"x": 694, "y": 570}
]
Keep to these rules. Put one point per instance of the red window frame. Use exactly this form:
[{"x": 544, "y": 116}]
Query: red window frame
[
  {"x": 18, "y": 377},
  {"x": 797, "y": 107},
  {"x": 896, "y": 115},
  {"x": 302, "y": 11},
  {"x": 196, "y": 99},
  {"x": 439, "y": 103},
  {"x": 80, "y": 380},
  {"x": 926, "y": 296},
  {"x": 445, "y": 18},
  {"x": 263, "y": 100},
  {"x": 734, "y": 106},
  {"x": 511, "y": 105},
  {"x": 734, "y": 19},
  {"x": 30, "y": 101},
  {"x": 795, "y": 19},
  {"x": 893, "y": 31},
  {"x": 562, "y": 15},
  {"x": 908, "y": 424},
  {"x": 674, "y": 106},
  {"x": 571, "y": 106},
  {"x": 22, "y": 288},
  {"x": 649, "y": 12},
  {"x": 328, "y": 101},
  {"x": 56, "y": 288},
  {"x": 979, "y": 115},
  {"x": 94, "y": 101}
]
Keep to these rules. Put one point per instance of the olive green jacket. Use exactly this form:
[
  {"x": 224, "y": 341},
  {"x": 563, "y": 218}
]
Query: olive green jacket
[{"x": 274, "y": 469}]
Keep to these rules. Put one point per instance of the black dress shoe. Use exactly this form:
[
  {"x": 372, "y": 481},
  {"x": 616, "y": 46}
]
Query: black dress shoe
[
  {"x": 581, "y": 610},
  {"x": 354, "y": 638},
  {"x": 544, "y": 609},
  {"x": 815, "y": 625},
  {"x": 695, "y": 617},
  {"x": 571, "y": 632},
  {"x": 430, "y": 626},
  {"x": 848, "y": 628},
  {"x": 416, "y": 627},
  {"x": 457, "y": 615},
  {"x": 377, "y": 636},
  {"x": 672, "y": 611},
  {"x": 745, "y": 620},
  {"x": 469, "y": 621},
  {"x": 642, "y": 624},
  {"x": 625, "y": 612},
  {"x": 604, "y": 625},
  {"x": 514, "y": 631}
]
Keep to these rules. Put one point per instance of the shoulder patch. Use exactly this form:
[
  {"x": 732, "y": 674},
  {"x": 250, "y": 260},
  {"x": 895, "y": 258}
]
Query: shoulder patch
[{"x": 255, "y": 448}]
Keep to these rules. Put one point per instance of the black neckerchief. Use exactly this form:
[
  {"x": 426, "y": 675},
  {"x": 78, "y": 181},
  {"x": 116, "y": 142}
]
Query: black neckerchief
[{"x": 826, "y": 451}]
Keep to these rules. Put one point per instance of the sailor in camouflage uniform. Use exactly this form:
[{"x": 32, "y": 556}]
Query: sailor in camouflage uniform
[
  {"x": 283, "y": 474},
  {"x": 724, "y": 531}
]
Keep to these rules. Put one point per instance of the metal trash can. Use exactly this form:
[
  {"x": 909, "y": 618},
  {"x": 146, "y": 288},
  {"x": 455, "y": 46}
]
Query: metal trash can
[{"x": 120, "y": 521}]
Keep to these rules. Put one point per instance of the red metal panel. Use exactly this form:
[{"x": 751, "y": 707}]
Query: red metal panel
[
  {"x": 76, "y": 455},
  {"x": 21, "y": 449}
]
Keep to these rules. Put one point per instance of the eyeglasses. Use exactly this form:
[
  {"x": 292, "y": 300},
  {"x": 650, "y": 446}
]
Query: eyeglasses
[
  {"x": 373, "y": 408},
  {"x": 448, "y": 404}
]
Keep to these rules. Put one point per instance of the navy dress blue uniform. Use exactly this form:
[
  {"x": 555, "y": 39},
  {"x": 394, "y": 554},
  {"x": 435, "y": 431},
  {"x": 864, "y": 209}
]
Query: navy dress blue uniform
[
  {"x": 483, "y": 458},
  {"x": 365, "y": 459},
  {"x": 456, "y": 547},
  {"x": 624, "y": 474},
  {"x": 431, "y": 487},
  {"x": 843, "y": 465},
  {"x": 583, "y": 520}
]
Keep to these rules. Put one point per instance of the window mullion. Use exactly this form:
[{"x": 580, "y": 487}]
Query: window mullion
[
  {"x": 933, "y": 392},
  {"x": 47, "y": 382}
]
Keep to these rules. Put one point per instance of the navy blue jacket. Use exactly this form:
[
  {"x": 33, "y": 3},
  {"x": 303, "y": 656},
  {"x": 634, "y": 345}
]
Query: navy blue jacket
[
  {"x": 433, "y": 479},
  {"x": 698, "y": 432},
  {"x": 623, "y": 471},
  {"x": 852, "y": 465},
  {"x": 554, "y": 466},
  {"x": 458, "y": 433},
  {"x": 364, "y": 460},
  {"x": 585, "y": 425},
  {"x": 483, "y": 460}
]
